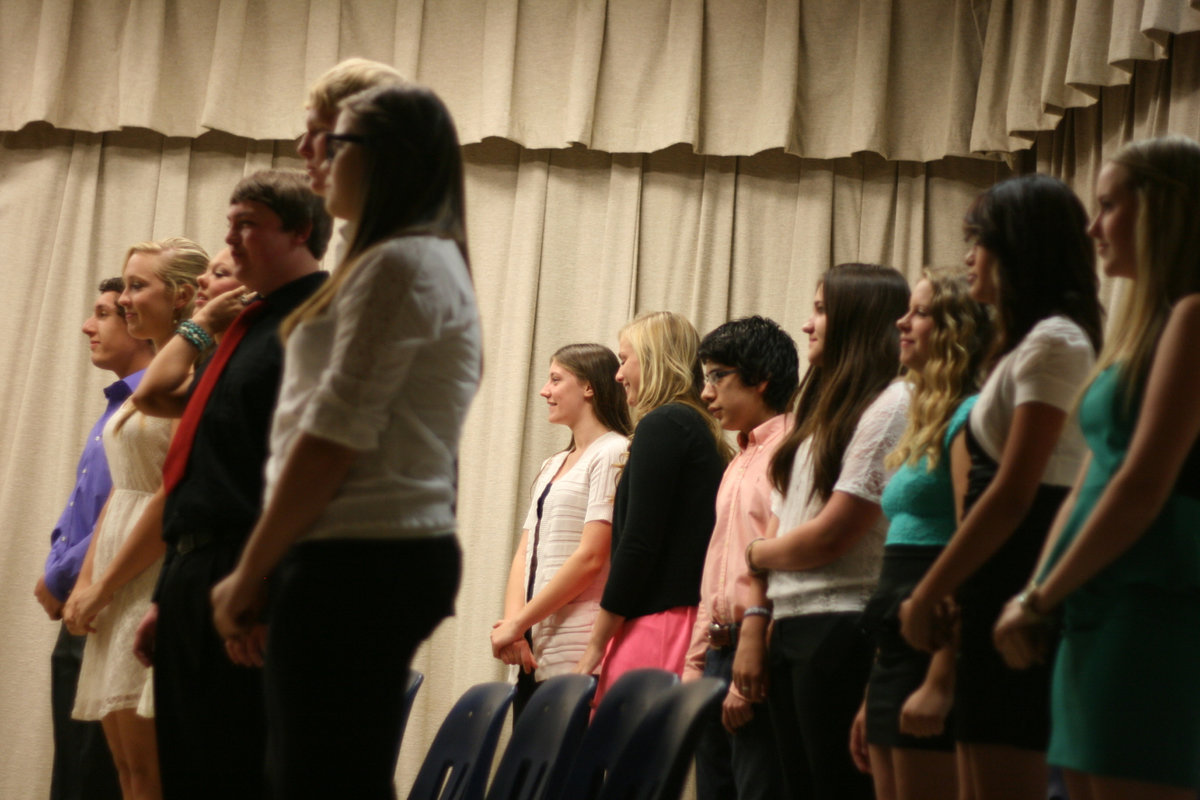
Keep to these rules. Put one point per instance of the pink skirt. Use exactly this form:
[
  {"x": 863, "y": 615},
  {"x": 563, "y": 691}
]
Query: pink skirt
[{"x": 655, "y": 640}]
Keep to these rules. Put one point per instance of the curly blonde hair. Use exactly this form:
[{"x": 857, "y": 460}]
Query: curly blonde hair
[{"x": 959, "y": 344}]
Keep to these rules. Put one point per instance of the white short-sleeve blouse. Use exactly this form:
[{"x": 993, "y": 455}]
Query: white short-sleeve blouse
[
  {"x": 1048, "y": 366},
  {"x": 388, "y": 370}
]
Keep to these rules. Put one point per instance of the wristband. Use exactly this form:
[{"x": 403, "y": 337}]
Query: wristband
[
  {"x": 757, "y": 611},
  {"x": 1028, "y": 600}
]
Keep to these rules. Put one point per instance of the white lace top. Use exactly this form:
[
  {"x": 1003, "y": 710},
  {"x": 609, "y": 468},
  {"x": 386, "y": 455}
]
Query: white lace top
[
  {"x": 847, "y": 583},
  {"x": 388, "y": 370}
]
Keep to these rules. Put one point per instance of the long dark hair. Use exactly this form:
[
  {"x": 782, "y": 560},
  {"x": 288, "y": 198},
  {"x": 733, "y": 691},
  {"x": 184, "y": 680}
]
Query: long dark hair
[
  {"x": 860, "y": 358},
  {"x": 597, "y": 366},
  {"x": 414, "y": 179},
  {"x": 1036, "y": 229}
]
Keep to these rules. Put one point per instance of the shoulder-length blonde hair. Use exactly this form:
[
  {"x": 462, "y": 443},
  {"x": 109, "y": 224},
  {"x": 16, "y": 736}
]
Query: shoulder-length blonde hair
[
  {"x": 1164, "y": 176},
  {"x": 667, "y": 345},
  {"x": 962, "y": 335}
]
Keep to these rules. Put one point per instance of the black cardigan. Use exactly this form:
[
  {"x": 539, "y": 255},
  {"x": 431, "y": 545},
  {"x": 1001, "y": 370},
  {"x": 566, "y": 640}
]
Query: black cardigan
[{"x": 663, "y": 513}]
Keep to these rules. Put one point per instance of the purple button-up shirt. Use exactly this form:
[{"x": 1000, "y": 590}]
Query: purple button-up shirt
[{"x": 70, "y": 538}]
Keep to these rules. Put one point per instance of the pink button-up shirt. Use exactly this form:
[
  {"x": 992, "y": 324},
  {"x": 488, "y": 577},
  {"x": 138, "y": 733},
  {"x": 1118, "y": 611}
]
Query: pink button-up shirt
[{"x": 743, "y": 510}]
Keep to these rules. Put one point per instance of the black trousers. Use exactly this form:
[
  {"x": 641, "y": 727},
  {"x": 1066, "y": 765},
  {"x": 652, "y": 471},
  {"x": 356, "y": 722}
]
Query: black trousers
[
  {"x": 83, "y": 765},
  {"x": 345, "y": 619},
  {"x": 210, "y": 717},
  {"x": 742, "y": 765},
  {"x": 818, "y": 668}
]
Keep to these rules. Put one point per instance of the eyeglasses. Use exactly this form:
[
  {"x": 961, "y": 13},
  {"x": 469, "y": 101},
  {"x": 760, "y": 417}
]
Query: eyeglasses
[
  {"x": 335, "y": 141},
  {"x": 717, "y": 375}
]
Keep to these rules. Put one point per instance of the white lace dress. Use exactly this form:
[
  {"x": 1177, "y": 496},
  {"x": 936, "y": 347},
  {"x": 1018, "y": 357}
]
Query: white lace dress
[{"x": 111, "y": 678}]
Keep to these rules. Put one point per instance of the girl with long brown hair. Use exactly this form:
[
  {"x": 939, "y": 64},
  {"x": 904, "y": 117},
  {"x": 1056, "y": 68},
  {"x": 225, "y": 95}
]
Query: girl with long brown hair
[
  {"x": 357, "y": 532},
  {"x": 561, "y": 562},
  {"x": 825, "y": 540}
]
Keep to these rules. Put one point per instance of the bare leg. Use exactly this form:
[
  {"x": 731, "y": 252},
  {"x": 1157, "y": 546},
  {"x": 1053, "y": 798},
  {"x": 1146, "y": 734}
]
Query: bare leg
[
  {"x": 1079, "y": 785},
  {"x": 1003, "y": 772},
  {"x": 881, "y": 772},
  {"x": 966, "y": 787},
  {"x": 924, "y": 774},
  {"x": 140, "y": 754},
  {"x": 1120, "y": 789},
  {"x": 113, "y": 735}
]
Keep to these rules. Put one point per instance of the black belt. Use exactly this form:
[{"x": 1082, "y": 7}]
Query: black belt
[
  {"x": 722, "y": 637},
  {"x": 187, "y": 542}
]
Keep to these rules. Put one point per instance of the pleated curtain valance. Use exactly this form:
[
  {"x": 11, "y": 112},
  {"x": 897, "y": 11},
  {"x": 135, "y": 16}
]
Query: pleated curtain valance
[{"x": 912, "y": 80}]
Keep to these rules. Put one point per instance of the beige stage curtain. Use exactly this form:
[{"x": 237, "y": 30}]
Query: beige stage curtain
[
  {"x": 567, "y": 242},
  {"x": 911, "y": 80},
  {"x": 566, "y": 246}
]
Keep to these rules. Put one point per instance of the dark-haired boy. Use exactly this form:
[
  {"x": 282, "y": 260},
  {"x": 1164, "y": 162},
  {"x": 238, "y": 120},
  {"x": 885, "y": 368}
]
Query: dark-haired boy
[
  {"x": 751, "y": 369},
  {"x": 83, "y": 765}
]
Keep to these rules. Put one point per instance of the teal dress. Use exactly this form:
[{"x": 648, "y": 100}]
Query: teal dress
[{"x": 1125, "y": 698}]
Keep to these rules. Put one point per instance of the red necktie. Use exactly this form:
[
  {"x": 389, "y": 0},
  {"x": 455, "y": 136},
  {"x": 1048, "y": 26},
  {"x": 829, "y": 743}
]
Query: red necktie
[{"x": 181, "y": 445}]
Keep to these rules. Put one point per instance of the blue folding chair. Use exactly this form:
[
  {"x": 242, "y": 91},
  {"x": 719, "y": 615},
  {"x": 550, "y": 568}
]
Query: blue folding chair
[
  {"x": 619, "y": 713},
  {"x": 460, "y": 758},
  {"x": 415, "y": 679},
  {"x": 654, "y": 761},
  {"x": 545, "y": 740}
]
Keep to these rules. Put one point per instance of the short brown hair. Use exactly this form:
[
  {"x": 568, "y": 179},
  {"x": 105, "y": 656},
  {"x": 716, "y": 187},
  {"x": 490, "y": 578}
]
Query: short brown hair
[
  {"x": 287, "y": 193},
  {"x": 116, "y": 284}
]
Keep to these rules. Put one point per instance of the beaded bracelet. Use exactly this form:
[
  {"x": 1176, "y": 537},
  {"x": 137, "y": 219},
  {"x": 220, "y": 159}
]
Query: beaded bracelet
[
  {"x": 757, "y": 611},
  {"x": 194, "y": 335}
]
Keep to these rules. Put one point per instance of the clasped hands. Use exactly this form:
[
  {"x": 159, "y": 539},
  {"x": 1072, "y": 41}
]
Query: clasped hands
[
  {"x": 1020, "y": 635},
  {"x": 926, "y": 625},
  {"x": 509, "y": 645},
  {"x": 83, "y": 605}
]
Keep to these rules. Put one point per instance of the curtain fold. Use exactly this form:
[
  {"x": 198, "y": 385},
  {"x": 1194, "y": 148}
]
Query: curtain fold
[
  {"x": 566, "y": 246},
  {"x": 911, "y": 80}
]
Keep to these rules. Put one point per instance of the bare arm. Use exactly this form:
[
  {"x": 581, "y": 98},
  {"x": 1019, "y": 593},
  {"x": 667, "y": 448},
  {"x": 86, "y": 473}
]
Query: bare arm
[
  {"x": 960, "y": 472},
  {"x": 1031, "y": 441},
  {"x": 84, "y": 581},
  {"x": 163, "y": 390},
  {"x": 1167, "y": 429},
  {"x": 164, "y": 387},
  {"x": 311, "y": 478},
  {"x": 818, "y": 541},
  {"x": 138, "y": 552},
  {"x": 924, "y": 712},
  {"x": 518, "y": 652},
  {"x": 575, "y": 575},
  {"x": 514, "y": 593}
]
